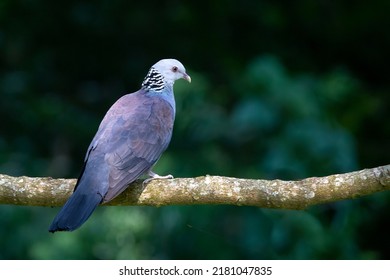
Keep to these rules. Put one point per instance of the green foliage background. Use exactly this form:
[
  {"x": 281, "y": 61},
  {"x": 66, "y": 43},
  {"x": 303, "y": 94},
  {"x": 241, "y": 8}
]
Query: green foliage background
[{"x": 280, "y": 90}]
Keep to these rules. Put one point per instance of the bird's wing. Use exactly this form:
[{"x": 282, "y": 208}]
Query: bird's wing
[{"x": 133, "y": 135}]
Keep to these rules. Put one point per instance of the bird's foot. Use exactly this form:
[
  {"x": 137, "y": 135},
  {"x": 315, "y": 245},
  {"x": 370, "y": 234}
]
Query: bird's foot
[{"x": 154, "y": 176}]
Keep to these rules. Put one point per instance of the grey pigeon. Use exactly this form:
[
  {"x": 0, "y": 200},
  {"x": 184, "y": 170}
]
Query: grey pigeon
[{"x": 134, "y": 133}]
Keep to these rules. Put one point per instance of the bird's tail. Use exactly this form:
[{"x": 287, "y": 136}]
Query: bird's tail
[{"x": 77, "y": 209}]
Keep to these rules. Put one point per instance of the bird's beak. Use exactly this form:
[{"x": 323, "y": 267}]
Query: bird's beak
[{"x": 186, "y": 77}]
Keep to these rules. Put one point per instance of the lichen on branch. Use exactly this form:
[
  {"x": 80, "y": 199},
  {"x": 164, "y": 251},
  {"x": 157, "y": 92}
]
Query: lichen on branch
[{"x": 208, "y": 190}]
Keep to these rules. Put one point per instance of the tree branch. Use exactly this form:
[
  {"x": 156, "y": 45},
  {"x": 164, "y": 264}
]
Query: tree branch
[{"x": 208, "y": 190}]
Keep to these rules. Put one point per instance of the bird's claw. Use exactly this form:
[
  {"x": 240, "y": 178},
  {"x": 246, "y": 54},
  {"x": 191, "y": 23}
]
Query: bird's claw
[{"x": 154, "y": 176}]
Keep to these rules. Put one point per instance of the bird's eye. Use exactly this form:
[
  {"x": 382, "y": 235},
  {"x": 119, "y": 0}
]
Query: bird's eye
[{"x": 174, "y": 69}]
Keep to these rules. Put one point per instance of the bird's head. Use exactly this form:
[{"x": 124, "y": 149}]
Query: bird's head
[
  {"x": 172, "y": 70},
  {"x": 166, "y": 71}
]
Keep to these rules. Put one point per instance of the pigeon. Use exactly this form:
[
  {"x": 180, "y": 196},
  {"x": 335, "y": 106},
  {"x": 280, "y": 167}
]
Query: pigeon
[{"x": 133, "y": 134}]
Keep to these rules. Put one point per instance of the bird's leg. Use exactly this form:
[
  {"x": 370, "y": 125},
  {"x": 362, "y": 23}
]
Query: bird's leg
[{"x": 154, "y": 176}]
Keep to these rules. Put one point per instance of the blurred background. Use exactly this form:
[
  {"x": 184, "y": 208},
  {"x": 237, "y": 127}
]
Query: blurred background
[{"x": 280, "y": 90}]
